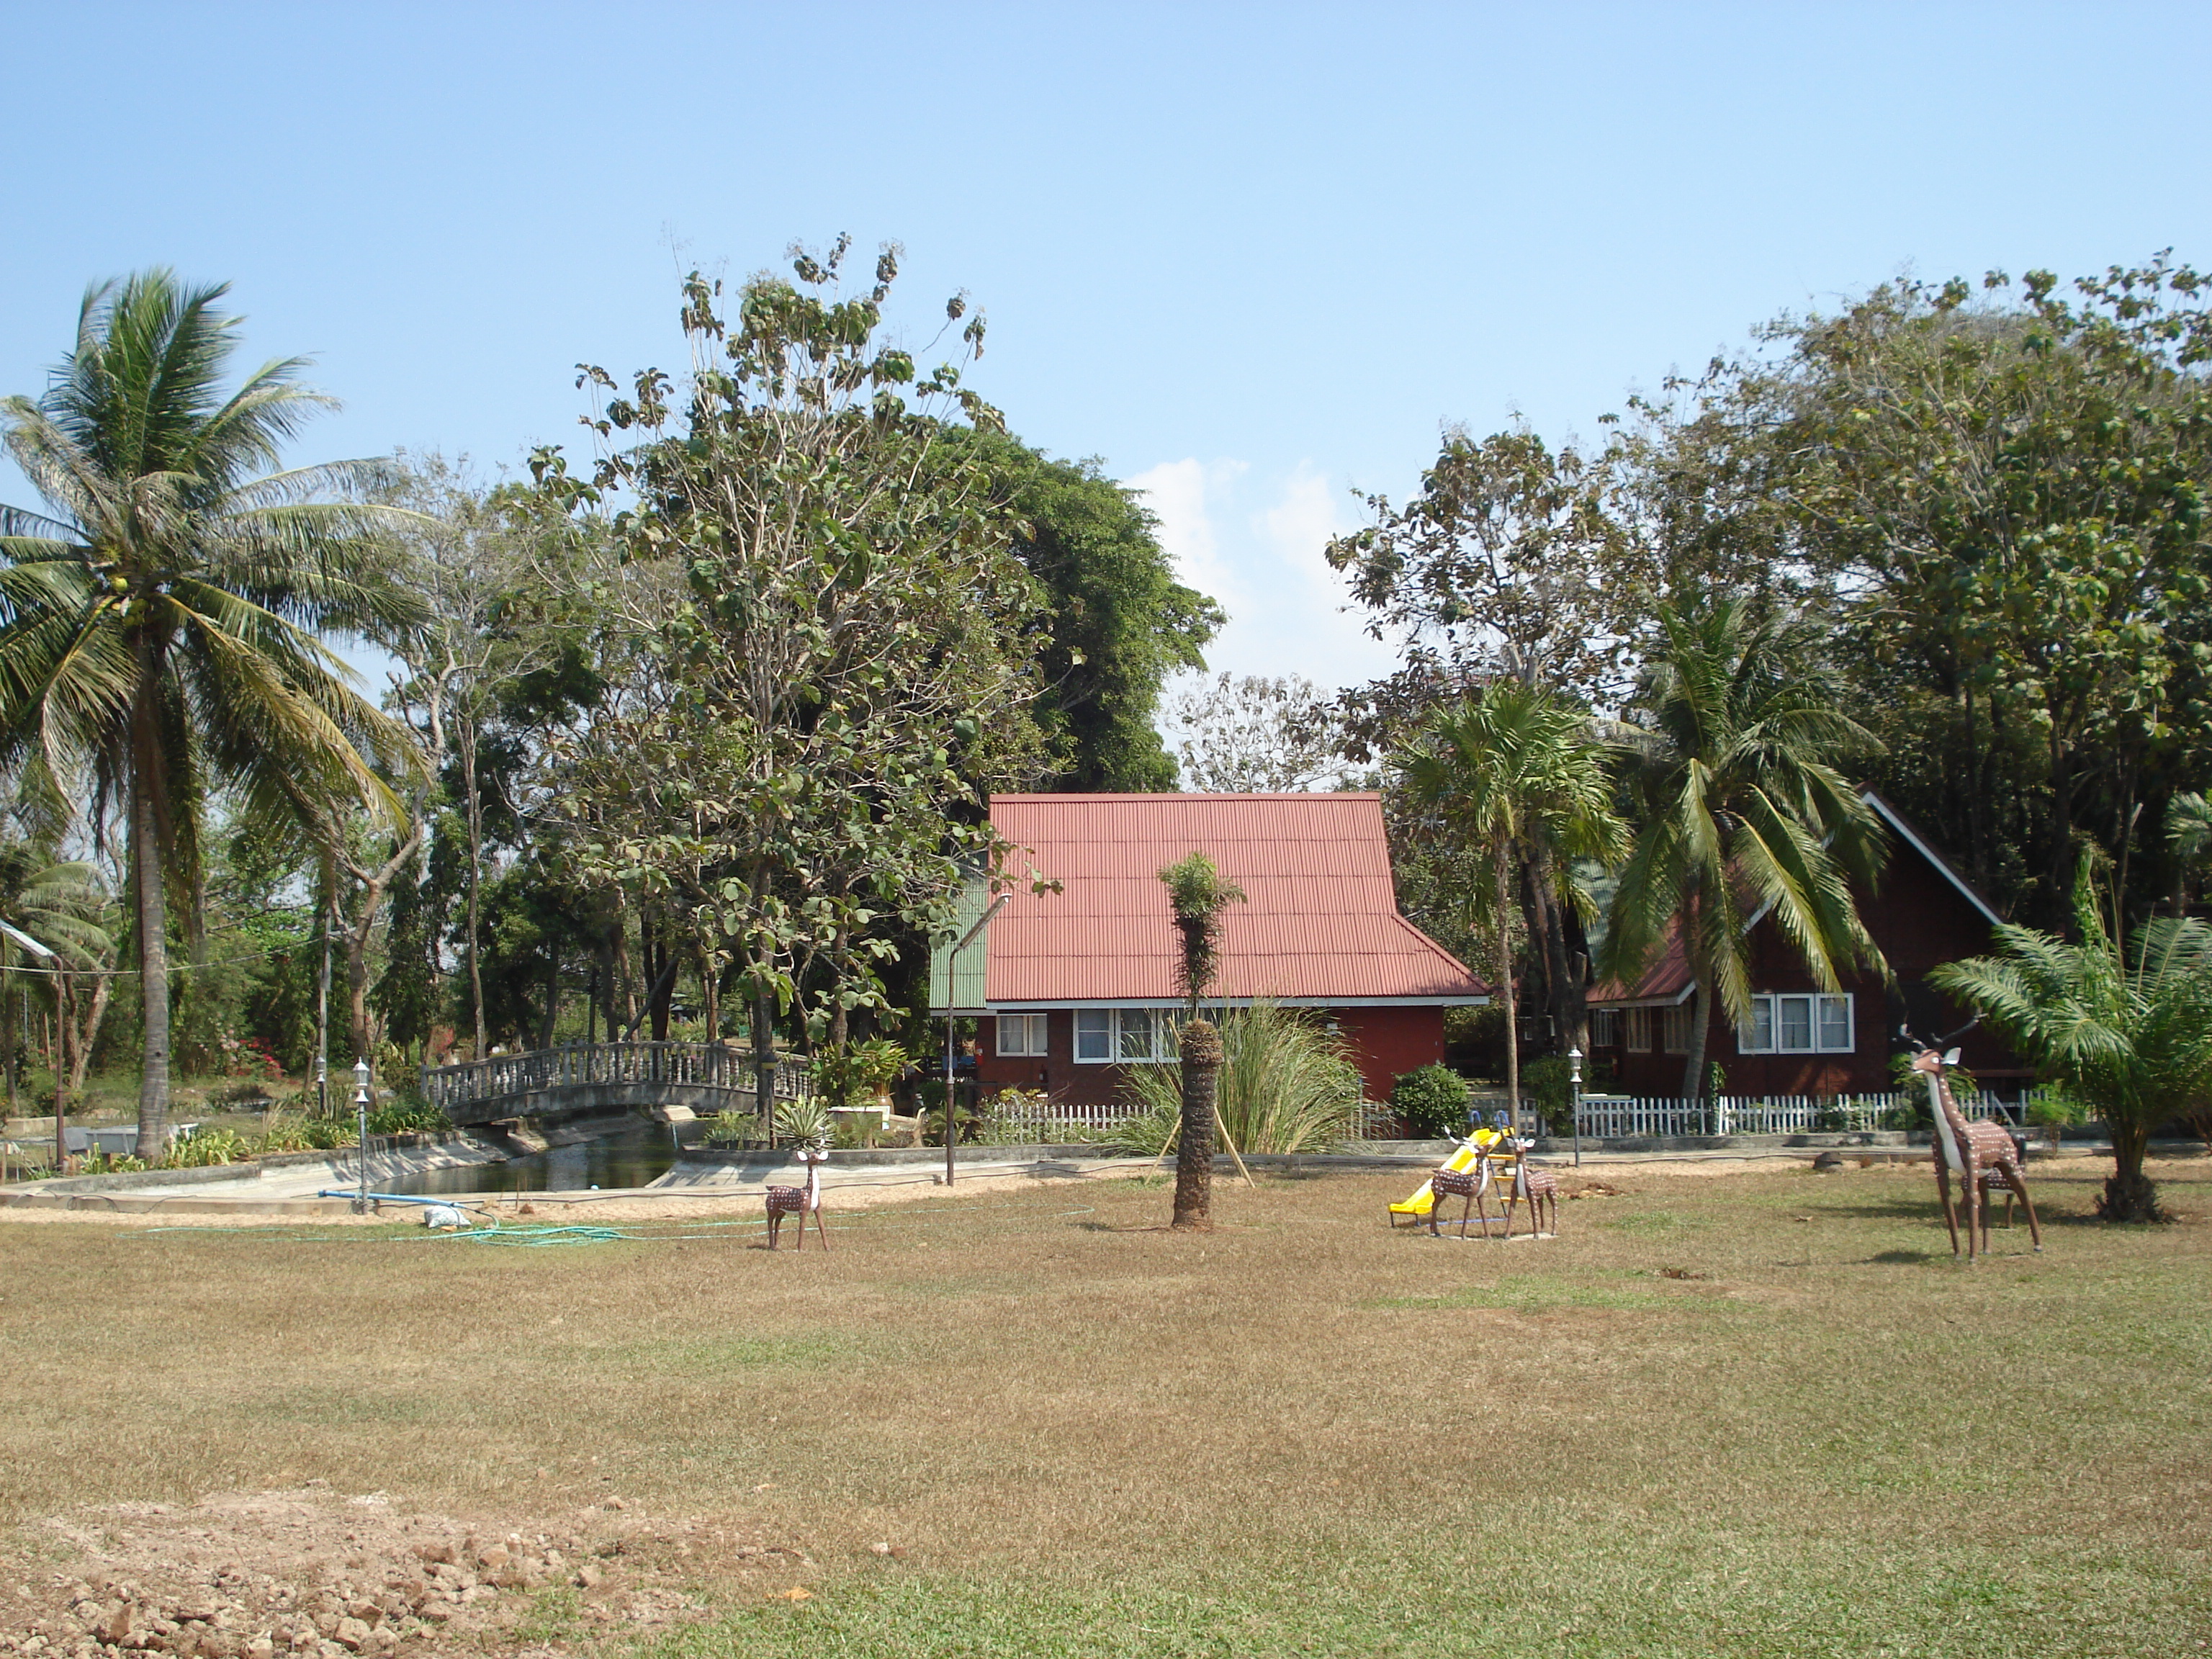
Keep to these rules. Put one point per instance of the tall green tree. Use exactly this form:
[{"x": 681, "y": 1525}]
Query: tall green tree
[
  {"x": 2008, "y": 490},
  {"x": 160, "y": 626},
  {"x": 848, "y": 645},
  {"x": 1116, "y": 622},
  {"x": 2128, "y": 1025},
  {"x": 1742, "y": 808},
  {"x": 1507, "y": 563},
  {"x": 1515, "y": 776}
]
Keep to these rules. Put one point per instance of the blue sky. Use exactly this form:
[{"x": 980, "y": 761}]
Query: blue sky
[{"x": 1250, "y": 257}]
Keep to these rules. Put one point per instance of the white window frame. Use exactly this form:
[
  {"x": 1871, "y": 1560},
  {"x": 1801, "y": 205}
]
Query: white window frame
[
  {"x": 1023, "y": 1036},
  {"x": 1136, "y": 1035},
  {"x": 1100, "y": 1022},
  {"x": 1605, "y": 1028},
  {"x": 1122, "y": 1046},
  {"x": 1638, "y": 1038},
  {"x": 1766, "y": 1033},
  {"x": 1678, "y": 1025}
]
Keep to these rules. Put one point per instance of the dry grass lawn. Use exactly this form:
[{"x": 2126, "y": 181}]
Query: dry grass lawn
[{"x": 1758, "y": 1413}]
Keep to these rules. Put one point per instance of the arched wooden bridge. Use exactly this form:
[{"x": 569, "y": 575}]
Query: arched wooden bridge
[{"x": 579, "y": 1079}]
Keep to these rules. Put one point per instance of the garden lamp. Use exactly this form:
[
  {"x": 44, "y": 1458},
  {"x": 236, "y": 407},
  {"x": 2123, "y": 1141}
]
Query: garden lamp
[
  {"x": 1574, "y": 1098},
  {"x": 361, "y": 1110}
]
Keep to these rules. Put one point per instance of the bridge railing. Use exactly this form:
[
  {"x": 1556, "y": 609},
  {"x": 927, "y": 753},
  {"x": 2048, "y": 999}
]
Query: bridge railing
[{"x": 708, "y": 1065}]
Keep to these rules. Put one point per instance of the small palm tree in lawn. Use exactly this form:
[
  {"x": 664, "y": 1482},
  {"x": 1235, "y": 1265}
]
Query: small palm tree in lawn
[
  {"x": 2127, "y": 1026},
  {"x": 1516, "y": 774},
  {"x": 159, "y": 625},
  {"x": 1743, "y": 808},
  {"x": 1197, "y": 895}
]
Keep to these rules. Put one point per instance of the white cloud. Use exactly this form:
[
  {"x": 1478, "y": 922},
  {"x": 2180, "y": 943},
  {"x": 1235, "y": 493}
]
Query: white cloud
[{"x": 1256, "y": 546}]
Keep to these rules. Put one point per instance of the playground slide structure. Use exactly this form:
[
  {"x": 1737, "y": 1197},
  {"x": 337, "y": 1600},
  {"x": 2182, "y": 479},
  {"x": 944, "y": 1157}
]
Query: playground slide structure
[{"x": 1423, "y": 1197}]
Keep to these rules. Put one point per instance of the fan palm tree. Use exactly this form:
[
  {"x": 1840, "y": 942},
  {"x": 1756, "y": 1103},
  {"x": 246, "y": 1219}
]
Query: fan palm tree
[
  {"x": 2129, "y": 1029},
  {"x": 1515, "y": 774},
  {"x": 159, "y": 627},
  {"x": 1744, "y": 811}
]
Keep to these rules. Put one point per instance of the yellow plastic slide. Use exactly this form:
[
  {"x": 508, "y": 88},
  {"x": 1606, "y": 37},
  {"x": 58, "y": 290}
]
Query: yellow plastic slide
[{"x": 1424, "y": 1200}]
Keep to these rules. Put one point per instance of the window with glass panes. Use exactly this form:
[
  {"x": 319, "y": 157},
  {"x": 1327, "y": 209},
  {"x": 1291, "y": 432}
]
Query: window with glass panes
[
  {"x": 1126, "y": 1036},
  {"x": 1022, "y": 1036},
  {"x": 1812, "y": 1022}
]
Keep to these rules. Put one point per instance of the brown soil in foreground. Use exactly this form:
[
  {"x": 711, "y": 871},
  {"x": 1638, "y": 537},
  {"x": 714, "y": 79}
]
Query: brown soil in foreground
[{"x": 314, "y": 1571}]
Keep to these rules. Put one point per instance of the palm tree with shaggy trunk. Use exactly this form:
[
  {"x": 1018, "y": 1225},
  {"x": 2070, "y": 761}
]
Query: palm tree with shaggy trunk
[
  {"x": 159, "y": 627},
  {"x": 2128, "y": 1027},
  {"x": 1197, "y": 896}
]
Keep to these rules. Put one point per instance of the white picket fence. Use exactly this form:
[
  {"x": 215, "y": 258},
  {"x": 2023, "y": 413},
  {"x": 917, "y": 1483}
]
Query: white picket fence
[
  {"x": 1620, "y": 1119},
  {"x": 1046, "y": 1122}
]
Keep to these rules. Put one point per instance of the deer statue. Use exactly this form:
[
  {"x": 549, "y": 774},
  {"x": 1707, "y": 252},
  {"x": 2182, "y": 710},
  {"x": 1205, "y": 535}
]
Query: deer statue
[
  {"x": 800, "y": 1202},
  {"x": 1469, "y": 1184},
  {"x": 1981, "y": 1155},
  {"x": 1538, "y": 1185}
]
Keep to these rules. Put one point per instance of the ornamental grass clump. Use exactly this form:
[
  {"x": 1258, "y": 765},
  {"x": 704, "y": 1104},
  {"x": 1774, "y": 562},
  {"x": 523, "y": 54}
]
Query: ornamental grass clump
[{"x": 1287, "y": 1085}]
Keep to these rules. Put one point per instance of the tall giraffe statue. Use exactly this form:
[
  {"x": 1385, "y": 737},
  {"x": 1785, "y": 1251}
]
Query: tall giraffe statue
[{"x": 1979, "y": 1154}]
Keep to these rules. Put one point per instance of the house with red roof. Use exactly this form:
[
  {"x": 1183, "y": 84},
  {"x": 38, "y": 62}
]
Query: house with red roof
[
  {"x": 1803, "y": 1039},
  {"x": 1072, "y": 987}
]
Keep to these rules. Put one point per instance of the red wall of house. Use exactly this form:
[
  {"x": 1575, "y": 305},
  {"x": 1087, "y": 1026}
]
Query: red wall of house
[
  {"x": 1919, "y": 920},
  {"x": 1386, "y": 1042}
]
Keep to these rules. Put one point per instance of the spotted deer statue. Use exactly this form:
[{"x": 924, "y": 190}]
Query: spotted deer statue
[
  {"x": 1468, "y": 1184},
  {"x": 1536, "y": 1185},
  {"x": 802, "y": 1201},
  {"x": 1981, "y": 1154}
]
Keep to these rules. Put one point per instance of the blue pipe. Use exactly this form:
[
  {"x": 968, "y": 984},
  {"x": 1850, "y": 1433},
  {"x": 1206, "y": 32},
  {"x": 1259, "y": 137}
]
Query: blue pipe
[{"x": 452, "y": 1200}]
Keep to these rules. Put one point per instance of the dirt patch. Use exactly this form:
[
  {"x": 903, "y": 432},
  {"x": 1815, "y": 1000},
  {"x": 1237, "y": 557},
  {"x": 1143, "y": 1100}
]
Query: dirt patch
[{"x": 311, "y": 1571}]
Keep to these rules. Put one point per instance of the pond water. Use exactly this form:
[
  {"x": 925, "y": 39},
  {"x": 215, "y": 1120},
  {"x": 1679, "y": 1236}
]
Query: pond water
[{"x": 634, "y": 1155}]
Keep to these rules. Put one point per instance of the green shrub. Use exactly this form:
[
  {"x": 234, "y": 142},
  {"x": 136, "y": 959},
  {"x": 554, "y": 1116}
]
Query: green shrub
[
  {"x": 2052, "y": 1107},
  {"x": 1549, "y": 1082},
  {"x": 1431, "y": 1101},
  {"x": 1287, "y": 1085},
  {"x": 399, "y": 1117},
  {"x": 728, "y": 1128},
  {"x": 108, "y": 1164},
  {"x": 850, "y": 1075},
  {"x": 206, "y": 1149}
]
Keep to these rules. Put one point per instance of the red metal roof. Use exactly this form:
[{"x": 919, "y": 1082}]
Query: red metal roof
[{"x": 1320, "y": 922}]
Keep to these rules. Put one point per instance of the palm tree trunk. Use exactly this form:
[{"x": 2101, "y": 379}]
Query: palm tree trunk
[
  {"x": 1201, "y": 1081},
  {"x": 61, "y": 1078},
  {"x": 8, "y": 1037},
  {"x": 2129, "y": 1196},
  {"x": 153, "y": 947},
  {"x": 1499, "y": 858},
  {"x": 1693, "y": 1068},
  {"x": 87, "y": 1034}
]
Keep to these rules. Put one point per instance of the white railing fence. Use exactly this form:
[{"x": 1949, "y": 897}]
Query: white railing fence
[{"x": 1618, "y": 1118}]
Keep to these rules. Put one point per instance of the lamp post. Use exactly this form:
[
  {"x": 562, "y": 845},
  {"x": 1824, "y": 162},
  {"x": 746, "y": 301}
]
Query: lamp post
[
  {"x": 1574, "y": 1098},
  {"x": 361, "y": 1111}
]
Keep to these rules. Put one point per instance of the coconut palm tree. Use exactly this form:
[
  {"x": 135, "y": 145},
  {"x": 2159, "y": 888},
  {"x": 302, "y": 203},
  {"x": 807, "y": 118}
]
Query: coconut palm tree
[
  {"x": 1515, "y": 774},
  {"x": 159, "y": 626},
  {"x": 2129, "y": 1029},
  {"x": 50, "y": 915},
  {"x": 1743, "y": 810}
]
